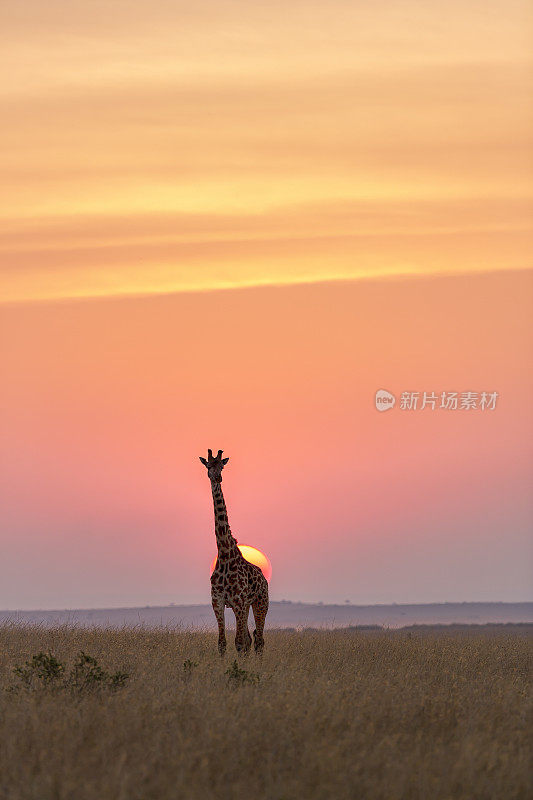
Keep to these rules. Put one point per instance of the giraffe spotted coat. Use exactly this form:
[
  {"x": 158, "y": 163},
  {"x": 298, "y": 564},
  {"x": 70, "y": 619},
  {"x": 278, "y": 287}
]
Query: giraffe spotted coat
[{"x": 235, "y": 583}]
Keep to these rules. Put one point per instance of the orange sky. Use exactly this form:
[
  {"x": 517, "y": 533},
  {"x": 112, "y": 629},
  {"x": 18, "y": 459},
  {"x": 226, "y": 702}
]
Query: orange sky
[
  {"x": 169, "y": 145},
  {"x": 226, "y": 224}
]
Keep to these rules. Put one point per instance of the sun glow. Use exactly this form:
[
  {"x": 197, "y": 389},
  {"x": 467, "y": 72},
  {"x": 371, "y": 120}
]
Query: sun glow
[{"x": 254, "y": 556}]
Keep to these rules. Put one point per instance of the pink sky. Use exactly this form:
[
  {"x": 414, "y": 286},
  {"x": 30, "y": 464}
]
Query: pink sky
[{"x": 107, "y": 404}]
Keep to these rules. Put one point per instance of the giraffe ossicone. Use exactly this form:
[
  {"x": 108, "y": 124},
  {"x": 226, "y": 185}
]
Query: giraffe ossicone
[{"x": 235, "y": 583}]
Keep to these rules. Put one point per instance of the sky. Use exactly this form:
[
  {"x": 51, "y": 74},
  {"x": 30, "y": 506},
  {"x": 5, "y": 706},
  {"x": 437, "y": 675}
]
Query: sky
[{"x": 228, "y": 225}]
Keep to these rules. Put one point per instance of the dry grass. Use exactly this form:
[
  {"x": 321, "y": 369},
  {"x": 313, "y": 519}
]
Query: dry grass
[{"x": 335, "y": 714}]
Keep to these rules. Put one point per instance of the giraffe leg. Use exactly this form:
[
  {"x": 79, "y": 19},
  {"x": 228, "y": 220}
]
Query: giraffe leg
[
  {"x": 218, "y": 608},
  {"x": 248, "y": 638},
  {"x": 243, "y": 640},
  {"x": 260, "y": 608}
]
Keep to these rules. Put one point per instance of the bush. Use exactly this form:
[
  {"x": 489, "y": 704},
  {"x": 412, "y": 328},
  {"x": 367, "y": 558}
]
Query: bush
[
  {"x": 45, "y": 671},
  {"x": 238, "y": 676}
]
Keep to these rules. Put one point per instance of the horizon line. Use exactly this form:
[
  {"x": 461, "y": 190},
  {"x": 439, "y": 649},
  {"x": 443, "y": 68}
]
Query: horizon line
[{"x": 283, "y": 601}]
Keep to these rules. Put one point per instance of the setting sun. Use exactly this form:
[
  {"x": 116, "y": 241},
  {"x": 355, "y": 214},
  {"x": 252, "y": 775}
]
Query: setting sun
[{"x": 254, "y": 556}]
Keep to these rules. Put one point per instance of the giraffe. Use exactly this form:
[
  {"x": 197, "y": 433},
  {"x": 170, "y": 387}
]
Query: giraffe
[{"x": 235, "y": 582}]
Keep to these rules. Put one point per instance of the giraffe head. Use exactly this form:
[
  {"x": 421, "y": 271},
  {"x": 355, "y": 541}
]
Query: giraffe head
[{"x": 215, "y": 465}]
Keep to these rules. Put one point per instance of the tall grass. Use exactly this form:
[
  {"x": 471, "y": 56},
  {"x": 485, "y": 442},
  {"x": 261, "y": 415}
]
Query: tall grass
[{"x": 337, "y": 715}]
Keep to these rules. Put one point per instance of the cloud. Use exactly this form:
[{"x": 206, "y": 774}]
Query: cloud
[{"x": 174, "y": 146}]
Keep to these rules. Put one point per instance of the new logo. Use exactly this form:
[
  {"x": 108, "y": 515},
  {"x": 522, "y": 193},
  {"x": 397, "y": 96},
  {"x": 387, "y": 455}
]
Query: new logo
[{"x": 384, "y": 400}]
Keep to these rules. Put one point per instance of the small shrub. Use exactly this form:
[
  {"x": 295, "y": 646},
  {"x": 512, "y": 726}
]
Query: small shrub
[
  {"x": 44, "y": 670},
  {"x": 188, "y": 667},
  {"x": 88, "y": 674},
  {"x": 238, "y": 676},
  {"x": 118, "y": 680}
]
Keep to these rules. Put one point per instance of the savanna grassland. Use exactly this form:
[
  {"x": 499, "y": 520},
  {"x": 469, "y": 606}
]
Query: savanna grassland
[{"x": 345, "y": 714}]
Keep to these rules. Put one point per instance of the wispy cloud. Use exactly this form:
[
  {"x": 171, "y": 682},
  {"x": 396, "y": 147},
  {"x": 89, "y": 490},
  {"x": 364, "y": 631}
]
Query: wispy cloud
[{"x": 167, "y": 147}]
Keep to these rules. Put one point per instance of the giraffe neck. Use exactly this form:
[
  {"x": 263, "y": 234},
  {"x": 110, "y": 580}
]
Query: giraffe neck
[{"x": 226, "y": 544}]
